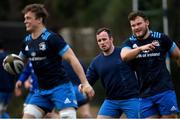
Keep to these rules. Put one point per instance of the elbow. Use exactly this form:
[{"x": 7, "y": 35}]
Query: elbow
[
  {"x": 124, "y": 55},
  {"x": 124, "y": 58}
]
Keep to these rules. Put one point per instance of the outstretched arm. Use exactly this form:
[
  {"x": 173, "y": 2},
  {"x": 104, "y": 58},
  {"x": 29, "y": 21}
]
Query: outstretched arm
[
  {"x": 72, "y": 59},
  {"x": 128, "y": 54}
]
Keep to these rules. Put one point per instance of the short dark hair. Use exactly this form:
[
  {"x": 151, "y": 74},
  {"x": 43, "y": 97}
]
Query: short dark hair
[
  {"x": 107, "y": 30},
  {"x": 134, "y": 14},
  {"x": 39, "y": 10}
]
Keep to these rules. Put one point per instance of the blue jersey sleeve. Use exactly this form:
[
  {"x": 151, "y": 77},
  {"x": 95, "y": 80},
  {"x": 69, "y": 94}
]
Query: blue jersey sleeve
[
  {"x": 91, "y": 74},
  {"x": 26, "y": 73},
  {"x": 58, "y": 44}
]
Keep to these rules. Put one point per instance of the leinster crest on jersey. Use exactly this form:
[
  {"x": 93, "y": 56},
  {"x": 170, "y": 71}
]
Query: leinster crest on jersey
[{"x": 42, "y": 46}]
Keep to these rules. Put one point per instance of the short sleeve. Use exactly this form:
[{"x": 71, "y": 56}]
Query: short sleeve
[{"x": 58, "y": 44}]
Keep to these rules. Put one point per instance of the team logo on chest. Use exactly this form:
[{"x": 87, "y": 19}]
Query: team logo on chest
[{"x": 42, "y": 46}]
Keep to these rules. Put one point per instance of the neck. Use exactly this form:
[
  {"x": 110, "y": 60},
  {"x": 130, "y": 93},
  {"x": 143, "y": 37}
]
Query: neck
[
  {"x": 110, "y": 51},
  {"x": 37, "y": 32},
  {"x": 146, "y": 35}
]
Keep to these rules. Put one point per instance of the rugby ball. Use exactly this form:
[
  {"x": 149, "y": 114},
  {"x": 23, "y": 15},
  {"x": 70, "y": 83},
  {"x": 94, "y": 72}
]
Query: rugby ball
[{"x": 13, "y": 64}]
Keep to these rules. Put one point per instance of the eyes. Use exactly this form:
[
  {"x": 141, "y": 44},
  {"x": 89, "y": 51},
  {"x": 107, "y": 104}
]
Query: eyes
[
  {"x": 27, "y": 18},
  {"x": 137, "y": 24},
  {"x": 101, "y": 39}
]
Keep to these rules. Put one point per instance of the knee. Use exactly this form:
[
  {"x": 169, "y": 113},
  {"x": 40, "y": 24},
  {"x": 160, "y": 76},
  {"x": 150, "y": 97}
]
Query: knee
[
  {"x": 68, "y": 113},
  {"x": 32, "y": 111}
]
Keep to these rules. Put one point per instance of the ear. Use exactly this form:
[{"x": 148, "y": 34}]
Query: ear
[
  {"x": 40, "y": 19},
  {"x": 111, "y": 39},
  {"x": 147, "y": 22}
]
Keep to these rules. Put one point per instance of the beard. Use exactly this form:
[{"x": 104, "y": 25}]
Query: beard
[
  {"x": 142, "y": 36},
  {"x": 106, "y": 50}
]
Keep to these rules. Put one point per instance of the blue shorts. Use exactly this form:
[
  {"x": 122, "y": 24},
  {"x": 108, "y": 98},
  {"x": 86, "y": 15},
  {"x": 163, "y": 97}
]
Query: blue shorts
[
  {"x": 81, "y": 97},
  {"x": 4, "y": 100},
  {"x": 60, "y": 97},
  {"x": 115, "y": 108},
  {"x": 161, "y": 104},
  {"x": 28, "y": 97}
]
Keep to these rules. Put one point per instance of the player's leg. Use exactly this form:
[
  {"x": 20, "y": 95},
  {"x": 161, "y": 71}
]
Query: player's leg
[
  {"x": 109, "y": 109},
  {"x": 83, "y": 105},
  {"x": 33, "y": 112},
  {"x": 169, "y": 116},
  {"x": 68, "y": 113},
  {"x": 37, "y": 106},
  {"x": 65, "y": 101},
  {"x": 85, "y": 111},
  {"x": 4, "y": 100},
  {"x": 52, "y": 115},
  {"x": 167, "y": 103}
]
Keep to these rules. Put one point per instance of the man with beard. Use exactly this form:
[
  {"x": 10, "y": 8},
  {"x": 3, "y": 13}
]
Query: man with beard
[{"x": 147, "y": 50}]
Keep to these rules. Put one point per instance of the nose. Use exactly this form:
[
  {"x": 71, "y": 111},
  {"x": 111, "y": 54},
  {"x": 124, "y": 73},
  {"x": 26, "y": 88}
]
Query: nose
[
  {"x": 101, "y": 42},
  {"x": 25, "y": 20},
  {"x": 136, "y": 27}
]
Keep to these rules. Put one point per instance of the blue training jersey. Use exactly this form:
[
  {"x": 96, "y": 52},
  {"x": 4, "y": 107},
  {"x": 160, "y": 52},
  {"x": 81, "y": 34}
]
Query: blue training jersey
[
  {"x": 46, "y": 53},
  {"x": 7, "y": 81},
  {"x": 150, "y": 65},
  {"x": 29, "y": 71},
  {"x": 116, "y": 76},
  {"x": 71, "y": 74}
]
